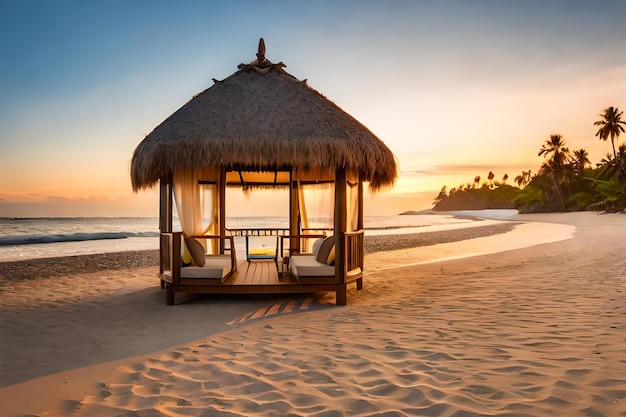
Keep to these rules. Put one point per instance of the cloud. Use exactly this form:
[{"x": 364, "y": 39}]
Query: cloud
[
  {"x": 455, "y": 169},
  {"x": 56, "y": 199}
]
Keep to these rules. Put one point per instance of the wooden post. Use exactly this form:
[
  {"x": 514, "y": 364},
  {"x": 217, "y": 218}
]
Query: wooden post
[
  {"x": 170, "y": 297},
  {"x": 294, "y": 243},
  {"x": 359, "y": 225},
  {"x": 165, "y": 205},
  {"x": 165, "y": 216},
  {"x": 341, "y": 296},
  {"x": 222, "y": 210},
  {"x": 340, "y": 224}
]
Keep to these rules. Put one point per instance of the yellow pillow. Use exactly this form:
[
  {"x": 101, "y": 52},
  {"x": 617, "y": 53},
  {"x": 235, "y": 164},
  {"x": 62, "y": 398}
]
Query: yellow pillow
[
  {"x": 331, "y": 257},
  {"x": 262, "y": 252},
  {"x": 186, "y": 257},
  {"x": 196, "y": 250}
]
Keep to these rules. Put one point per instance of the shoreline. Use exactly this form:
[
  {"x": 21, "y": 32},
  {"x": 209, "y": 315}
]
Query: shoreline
[
  {"x": 133, "y": 242},
  {"x": 100, "y": 262},
  {"x": 534, "y": 331}
]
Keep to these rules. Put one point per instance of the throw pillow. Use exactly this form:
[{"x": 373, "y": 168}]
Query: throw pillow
[
  {"x": 325, "y": 248},
  {"x": 196, "y": 250},
  {"x": 316, "y": 247},
  {"x": 331, "y": 257}
]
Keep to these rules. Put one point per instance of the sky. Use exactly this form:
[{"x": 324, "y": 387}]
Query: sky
[{"x": 454, "y": 88}]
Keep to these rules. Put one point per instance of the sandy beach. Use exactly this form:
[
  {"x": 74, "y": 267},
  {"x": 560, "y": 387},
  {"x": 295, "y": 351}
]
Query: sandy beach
[{"x": 522, "y": 319}]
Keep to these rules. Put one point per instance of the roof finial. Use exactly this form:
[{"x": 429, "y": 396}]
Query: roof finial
[
  {"x": 261, "y": 65},
  {"x": 260, "y": 56}
]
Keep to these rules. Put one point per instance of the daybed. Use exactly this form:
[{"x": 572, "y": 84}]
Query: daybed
[
  {"x": 319, "y": 264},
  {"x": 204, "y": 269}
]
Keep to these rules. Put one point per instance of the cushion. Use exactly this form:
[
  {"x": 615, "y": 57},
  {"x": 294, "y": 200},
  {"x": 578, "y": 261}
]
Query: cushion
[
  {"x": 316, "y": 247},
  {"x": 331, "y": 257},
  {"x": 196, "y": 250},
  {"x": 307, "y": 266},
  {"x": 218, "y": 266},
  {"x": 186, "y": 257},
  {"x": 262, "y": 252},
  {"x": 325, "y": 248}
]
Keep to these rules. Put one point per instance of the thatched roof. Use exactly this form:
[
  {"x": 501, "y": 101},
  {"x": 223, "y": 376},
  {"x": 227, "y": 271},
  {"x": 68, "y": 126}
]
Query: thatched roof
[{"x": 261, "y": 119}]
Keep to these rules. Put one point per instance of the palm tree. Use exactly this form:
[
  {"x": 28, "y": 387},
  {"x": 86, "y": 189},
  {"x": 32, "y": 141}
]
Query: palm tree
[
  {"x": 557, "y": 153},
  {"x": 608, "y": 160},
  {"x": 621, "y": 155},
  {"x": 490, "y": 177},
  {"x": 611, "y": 126},
  {"x": 523, "y": 179},
  {"x": 441, "y": 196},
  {"x": 607, "y": 167},
  {"x": 581, "y": 159},
  {"x": 555, "y": 149}
]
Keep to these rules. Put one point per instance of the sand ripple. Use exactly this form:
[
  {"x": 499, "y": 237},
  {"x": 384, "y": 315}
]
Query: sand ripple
[
  {"x": 535, "y": 332},
  {"x": 460, "y": 343}
]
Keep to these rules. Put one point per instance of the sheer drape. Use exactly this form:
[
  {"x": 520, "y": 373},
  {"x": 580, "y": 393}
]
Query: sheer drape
[
  {"x": 197, "y": 204},
  {"x": 316, "y": 202},
  {"x": 352, "y": 201}
]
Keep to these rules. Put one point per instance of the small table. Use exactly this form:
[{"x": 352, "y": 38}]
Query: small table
[{"x": 262, "y": 254}]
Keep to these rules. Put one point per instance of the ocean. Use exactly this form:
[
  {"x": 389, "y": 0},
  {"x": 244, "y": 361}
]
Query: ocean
[{"x": 31, "y": 238}]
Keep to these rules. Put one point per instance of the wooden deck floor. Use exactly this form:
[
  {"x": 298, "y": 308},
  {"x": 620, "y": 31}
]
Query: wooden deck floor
[
  {"x": 259, "y": 277},
  {"x": 259, "y": 273}
]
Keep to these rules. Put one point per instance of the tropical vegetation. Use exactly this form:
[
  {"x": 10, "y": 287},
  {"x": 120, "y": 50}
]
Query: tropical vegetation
[{"x": 566, "y": 180}]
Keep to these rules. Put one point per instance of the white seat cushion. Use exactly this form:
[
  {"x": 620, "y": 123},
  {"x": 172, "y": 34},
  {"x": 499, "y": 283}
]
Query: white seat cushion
[
  {"x": 214, "y": 267},
  {"x": 308, "y": 266}
]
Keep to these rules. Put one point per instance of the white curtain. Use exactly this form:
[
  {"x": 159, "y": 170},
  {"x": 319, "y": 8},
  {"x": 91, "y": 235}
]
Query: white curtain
[
  {"x": 352, "y": 201},
  {"x": 317, "y": 205},
  {"x": 197, "y": 204}
]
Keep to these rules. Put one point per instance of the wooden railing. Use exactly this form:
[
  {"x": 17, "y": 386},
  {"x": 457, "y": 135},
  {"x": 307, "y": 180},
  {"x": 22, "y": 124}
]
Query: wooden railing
[
  {"x": 299, "y": 243},
  {"x": 354, "y": 250},
  {"x": 265, "y": 231},
  {"x": 171, "y": 244},
  {"x": 275, "y": 231},
  {"x": 296, "y": 243}
]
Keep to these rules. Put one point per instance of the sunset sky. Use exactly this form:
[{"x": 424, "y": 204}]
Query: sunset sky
[{"x": 454, "y": 88}]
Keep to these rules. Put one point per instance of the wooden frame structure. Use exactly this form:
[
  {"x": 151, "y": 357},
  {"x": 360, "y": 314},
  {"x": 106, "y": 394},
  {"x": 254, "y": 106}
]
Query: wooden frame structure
[
  {"x": 261, "y": 128},
  {"x": 348, "y": 249}
]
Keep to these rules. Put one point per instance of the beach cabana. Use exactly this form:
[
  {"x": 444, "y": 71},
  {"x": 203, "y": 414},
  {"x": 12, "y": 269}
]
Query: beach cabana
[{"x": 260, "y": 128}]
